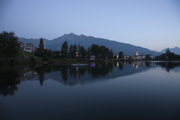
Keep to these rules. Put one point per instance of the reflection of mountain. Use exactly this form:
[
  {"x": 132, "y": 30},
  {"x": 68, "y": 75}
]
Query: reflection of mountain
[
  {"x": 99, "y": 72},
  {"x": 9, "y": 79}
]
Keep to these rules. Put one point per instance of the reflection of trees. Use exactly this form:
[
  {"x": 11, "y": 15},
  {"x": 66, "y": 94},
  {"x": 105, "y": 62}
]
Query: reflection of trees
[
  {"x": 168, "y": 65},
  {"x": 120, "y": 66},
  {"x": 41, "y": 76},
  {"x": 41, "y": 71},
  {"x": 82, "y": 71},
  {"x": 101, "y": 69},
  {"x": 147, "y": 64},
  {"x": 64, "y": 72},
  {"x": 8, "y": 82},
  {"x": 72, "y": 72}
]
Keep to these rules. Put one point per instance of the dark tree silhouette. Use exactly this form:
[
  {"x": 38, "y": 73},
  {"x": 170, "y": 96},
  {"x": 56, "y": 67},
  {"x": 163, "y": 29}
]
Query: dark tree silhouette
[
  {"x": 64, "y": 50},
  {"x": 8, "y": 45},
  {"x": 71, "y": 51},
  {"x": 121, "y": 54},
  {"x": 40, "y": 51},
  {"x": 74, "y": 51}
]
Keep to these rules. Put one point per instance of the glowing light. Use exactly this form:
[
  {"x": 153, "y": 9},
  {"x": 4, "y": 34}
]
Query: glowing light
[
  {"x": 117, "y": 64},
  {"x": 136, "y": 67},
  {"x": 92, "y": 65}
]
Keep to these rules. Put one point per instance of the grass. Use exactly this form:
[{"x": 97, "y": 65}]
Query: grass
[{"x": 22, "y": 53}]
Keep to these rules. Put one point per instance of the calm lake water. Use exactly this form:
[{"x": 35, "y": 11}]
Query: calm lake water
[{"x": 136, "y": 90}]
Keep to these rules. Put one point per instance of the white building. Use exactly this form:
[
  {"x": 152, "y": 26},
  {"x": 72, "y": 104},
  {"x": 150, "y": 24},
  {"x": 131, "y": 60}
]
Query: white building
[
  {"x": 126, "y": 57},
  {"x": 116, "y": 56},
  {"x": 92, "y": 57},
  {"x": 29, "y": 47},
  {"x": 150, "y": 56},
  {"x": 138, "y": 57}
]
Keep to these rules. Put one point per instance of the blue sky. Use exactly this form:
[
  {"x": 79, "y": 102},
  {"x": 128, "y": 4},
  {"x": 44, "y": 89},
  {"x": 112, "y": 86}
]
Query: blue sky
[{"x": 153, "y": 24}]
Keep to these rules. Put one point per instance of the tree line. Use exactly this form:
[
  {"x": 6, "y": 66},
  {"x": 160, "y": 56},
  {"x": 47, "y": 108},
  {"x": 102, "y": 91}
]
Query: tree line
[
  {"x": 168, "y": 56},
  {"x": 76, "y": 51},
  {"x": 9, "y": 48}
]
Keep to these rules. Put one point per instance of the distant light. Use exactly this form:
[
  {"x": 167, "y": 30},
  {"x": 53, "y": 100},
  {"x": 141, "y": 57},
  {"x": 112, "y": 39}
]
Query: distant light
[
  {"x": 92, "y": 65},
  {"x": 136, "y": 67},
  {"x": 117, "y": 64}
]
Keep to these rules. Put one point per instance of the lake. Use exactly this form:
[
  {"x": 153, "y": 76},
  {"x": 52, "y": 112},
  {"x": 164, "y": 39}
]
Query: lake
[{"x": 119, "y": 90}]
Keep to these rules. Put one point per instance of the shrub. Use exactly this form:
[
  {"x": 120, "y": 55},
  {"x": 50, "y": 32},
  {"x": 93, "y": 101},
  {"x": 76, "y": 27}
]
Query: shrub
[
  {"x": 33, "y": 60},
  {"x": 45, "y": 58}
]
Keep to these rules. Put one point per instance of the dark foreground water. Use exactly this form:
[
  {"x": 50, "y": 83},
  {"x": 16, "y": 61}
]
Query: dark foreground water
[{"x": 136, "y": 90}]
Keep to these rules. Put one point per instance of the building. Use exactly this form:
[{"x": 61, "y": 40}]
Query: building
[
  {"x": 77, "y": 54},
  {"x": 136, "y": 52},
  {"x": 29, "y": 47},
  {"x": 92, "y": 57},
  {"x": 116, "y": 56},
  {"x": 126, "y": 57},
  {"x": 143, "y": 56},
  {"x": 21, "y": 45},
  {"x": 150, "y": 56},
  {"x": 138, "y": 57}
]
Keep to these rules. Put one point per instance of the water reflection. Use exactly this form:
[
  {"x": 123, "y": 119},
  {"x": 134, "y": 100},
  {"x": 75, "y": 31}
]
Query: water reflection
[
  {"x": 8, "y": 81},
  {"x": 168, "y": 65},
  {"x": 96, "y": 72}
]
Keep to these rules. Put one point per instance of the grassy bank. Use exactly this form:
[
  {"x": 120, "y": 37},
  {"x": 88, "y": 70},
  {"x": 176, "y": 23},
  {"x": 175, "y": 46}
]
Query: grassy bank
[{"x": 27, "y": 58}]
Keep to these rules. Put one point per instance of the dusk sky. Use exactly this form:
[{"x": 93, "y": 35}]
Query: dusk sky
[{"x": 153, "y": 24}]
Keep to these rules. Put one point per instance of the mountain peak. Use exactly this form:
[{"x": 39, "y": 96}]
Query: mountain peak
[{"x": 70, "y": 34}]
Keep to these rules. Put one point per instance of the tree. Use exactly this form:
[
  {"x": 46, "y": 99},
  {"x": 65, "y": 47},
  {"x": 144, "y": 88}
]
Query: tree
[
  {"x": 111, "y": 54},
  {"x": 79, "y": 50},
  {"x": 64, "y": 50},
  {"x": 147, "y": 57},
  {"x": 82, "y": 52},
  {"x": 121, "y": 54},
  {"x": 103, "y": 52},
  {"x": 89, "y": 52},
  {"x": 95, "y": 50},
  {"x": 71, "y": 51},
  {"x": 168, "y": 54},
  {"x": 40, "y": 51},
  {"x": 41, "y": 44},
  {"x": 74, "y": 50},
  {"x": 168, "y": 51},
  {"x": 8, "y": 45}
]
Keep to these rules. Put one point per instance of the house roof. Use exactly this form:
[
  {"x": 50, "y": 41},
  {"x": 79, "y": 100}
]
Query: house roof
[
  {"x": 92, "y": 56},
  {"x": 30, "y": 44}
]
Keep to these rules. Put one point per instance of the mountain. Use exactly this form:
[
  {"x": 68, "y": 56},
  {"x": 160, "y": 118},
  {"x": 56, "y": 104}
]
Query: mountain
[
  {"x": 87, "y": 41},
  {"x": 175, "y": 50}
]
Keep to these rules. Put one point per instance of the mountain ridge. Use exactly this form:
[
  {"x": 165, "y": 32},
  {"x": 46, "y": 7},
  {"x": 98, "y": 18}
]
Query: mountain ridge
[
  {"x": 86, "y": 41},
  {"x": 175, "y": 50}
]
